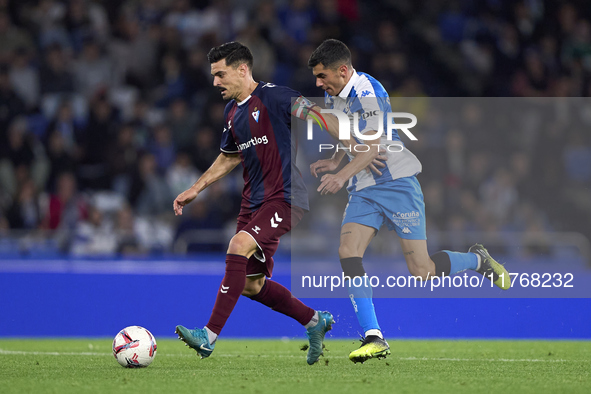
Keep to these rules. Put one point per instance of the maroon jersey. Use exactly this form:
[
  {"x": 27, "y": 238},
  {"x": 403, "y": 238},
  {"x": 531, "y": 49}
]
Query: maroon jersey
[{"x": 259, "y": 128}]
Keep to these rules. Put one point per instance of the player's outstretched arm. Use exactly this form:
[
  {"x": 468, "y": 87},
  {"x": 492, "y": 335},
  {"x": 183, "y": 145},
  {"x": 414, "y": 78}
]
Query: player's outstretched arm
[
  {"x": 306, "y": 109},
  {"x": 221, "y": 167}
]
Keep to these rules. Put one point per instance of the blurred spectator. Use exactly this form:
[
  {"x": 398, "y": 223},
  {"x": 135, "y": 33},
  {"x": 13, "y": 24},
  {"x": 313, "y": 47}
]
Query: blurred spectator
[
  {"x": 149, "y": 192},
  {"x": 61, "y": 159},
  {"x": 199, "y": 80},
  {"x": 85, "y": 19},
  {"x": 297, "y": 19},
  {"x": 181, "y": 175},
  {"x": 205, "y": 148},
  {"x": 66, "y": 207},
  {"x": 24, "y": 158},
  {"x": 70, "y": 130},
  {"x": 162, "y": 147},
  {"x": 140, "y": 122},
  {"x": 122, "y": 159},
  {"x": 100, "y": 134},
  {"x": 200, "y": 217},
  {"x": 55, "y": 74},
  {"x": 125, "y": 228},
  {"x": 174, "y": 84},
  {"x": 93, "y": 71},
  {"x": 24, "y": 78},
  {"x": 94, "y": 236},
  {"x": 11, "y": 106},
  {"x": 223, "y": 13},
  {"x": 261, "y": 51},
  {"x": 183, "y": 124},
  {"x": 187, "y": 21},
  {"x": 25, "y": 212},
  {"x": 11, "y": 38},
  {"x": 134, "y": 52}
]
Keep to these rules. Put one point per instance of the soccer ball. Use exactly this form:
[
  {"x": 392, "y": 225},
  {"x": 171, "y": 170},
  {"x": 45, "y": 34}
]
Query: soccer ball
[{"x": 134, "y": 347}]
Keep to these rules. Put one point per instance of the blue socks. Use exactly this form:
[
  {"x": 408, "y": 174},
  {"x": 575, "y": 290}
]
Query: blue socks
[
  {"x": 461, "y": 261},
  {"x": 361, "y": 298}
]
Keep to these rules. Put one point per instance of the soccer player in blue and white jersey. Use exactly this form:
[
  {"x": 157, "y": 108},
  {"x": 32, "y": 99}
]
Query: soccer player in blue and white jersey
[
  {"x": 390, "y": 196},
  {"x": 257, "y": 134}
]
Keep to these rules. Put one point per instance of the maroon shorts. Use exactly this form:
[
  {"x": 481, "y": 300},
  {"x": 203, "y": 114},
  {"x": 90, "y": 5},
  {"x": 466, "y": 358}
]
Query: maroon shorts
[{"x": 266, "y": 225}]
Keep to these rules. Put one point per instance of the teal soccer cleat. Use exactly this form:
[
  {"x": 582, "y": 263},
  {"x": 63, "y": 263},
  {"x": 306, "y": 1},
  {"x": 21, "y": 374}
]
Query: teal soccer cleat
[
  {"x": 196, "y": 339},
  {"x": 316, "y": 336}
]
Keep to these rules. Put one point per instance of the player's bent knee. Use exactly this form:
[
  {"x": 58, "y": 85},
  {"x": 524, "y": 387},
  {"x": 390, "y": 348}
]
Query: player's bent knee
[
  {"x": 420, "y": 271},
  {"x": 242, "y": 244},
  {"x": 253, "y": 287},
  {"x": 421, "y": 267}
]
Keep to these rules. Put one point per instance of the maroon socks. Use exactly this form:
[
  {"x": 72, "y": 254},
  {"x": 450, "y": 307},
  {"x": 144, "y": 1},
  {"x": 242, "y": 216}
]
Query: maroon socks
[
  {"x": 280, "y": 299},
  {"x": 229, "y": 292},
  {"x": 273, "y": 295}
]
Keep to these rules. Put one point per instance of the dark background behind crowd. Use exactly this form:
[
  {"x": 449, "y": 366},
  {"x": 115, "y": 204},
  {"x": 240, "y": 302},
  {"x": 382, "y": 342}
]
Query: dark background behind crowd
[{"x": 107, "y": 110}]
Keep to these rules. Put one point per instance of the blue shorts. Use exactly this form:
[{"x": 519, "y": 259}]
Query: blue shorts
[{"x": 398, "y": 204}]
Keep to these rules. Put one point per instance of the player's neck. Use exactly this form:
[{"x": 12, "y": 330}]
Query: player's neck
[
  {"x": 250, "y": 86},
  {"x": 347, "y": 79}
]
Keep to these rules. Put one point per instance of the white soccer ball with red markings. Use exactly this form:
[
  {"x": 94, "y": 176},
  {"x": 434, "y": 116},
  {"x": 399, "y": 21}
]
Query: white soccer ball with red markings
[{"x": 134, "y": 347}]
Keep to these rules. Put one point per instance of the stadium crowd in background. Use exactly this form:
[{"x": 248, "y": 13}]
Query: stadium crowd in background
[{"x": 107, "y": 110}]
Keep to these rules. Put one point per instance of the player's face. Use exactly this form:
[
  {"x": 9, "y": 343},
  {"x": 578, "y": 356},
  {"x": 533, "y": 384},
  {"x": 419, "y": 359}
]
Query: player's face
[
  {"x": 332, "y": 81},
  {"x": 227, "y": 79}
]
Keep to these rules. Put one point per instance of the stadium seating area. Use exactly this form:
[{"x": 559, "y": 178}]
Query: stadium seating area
[{"x": 107, "y": 111}]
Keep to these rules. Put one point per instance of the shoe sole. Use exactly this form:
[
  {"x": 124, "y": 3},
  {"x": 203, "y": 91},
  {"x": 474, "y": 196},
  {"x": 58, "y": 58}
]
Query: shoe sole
[
  {"x": 364, "y": 358},
  {"x": 182, "y": 338}
]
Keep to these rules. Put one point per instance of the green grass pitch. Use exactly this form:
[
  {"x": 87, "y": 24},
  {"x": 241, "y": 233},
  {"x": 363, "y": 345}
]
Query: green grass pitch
[{"x": 275, "y": 366}]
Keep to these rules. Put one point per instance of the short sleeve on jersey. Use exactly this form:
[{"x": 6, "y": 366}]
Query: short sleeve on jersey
[{"x": 228, "y": 144}]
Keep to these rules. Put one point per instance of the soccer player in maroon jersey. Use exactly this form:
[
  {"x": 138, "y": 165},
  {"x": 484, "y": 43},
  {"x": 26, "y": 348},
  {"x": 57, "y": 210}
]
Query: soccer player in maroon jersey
[{"x": 257, "y": 134}]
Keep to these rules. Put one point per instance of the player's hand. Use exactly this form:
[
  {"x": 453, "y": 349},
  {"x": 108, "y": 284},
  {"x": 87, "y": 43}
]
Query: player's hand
[
  {"x": 330, "y": 184},
  {"x": 183, "y": 199},
  {"x": 326, "y": 165},
  {"x": 378, "y": 162}
]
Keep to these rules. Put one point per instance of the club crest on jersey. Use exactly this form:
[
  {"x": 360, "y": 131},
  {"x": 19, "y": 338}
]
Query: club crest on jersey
[{"x": 256, "y": 114}]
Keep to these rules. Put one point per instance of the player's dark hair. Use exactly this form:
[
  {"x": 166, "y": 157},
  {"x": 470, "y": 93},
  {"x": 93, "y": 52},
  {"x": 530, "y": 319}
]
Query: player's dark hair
[
  {"x": 234, "y": 52},
  {"x": 331, "y": 53}
]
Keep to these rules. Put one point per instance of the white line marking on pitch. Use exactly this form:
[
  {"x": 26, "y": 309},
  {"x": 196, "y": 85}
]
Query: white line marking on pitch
[{"x": 34, "y": 353}]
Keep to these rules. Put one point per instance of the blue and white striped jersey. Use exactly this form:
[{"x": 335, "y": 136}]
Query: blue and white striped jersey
[{"x": 363, "y": 95}]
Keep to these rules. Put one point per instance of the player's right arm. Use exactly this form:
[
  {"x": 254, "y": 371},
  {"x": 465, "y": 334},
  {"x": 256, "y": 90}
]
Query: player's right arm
[
  {"x": 306, "y": 109},
  {"x": 221, "y": 167}
]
